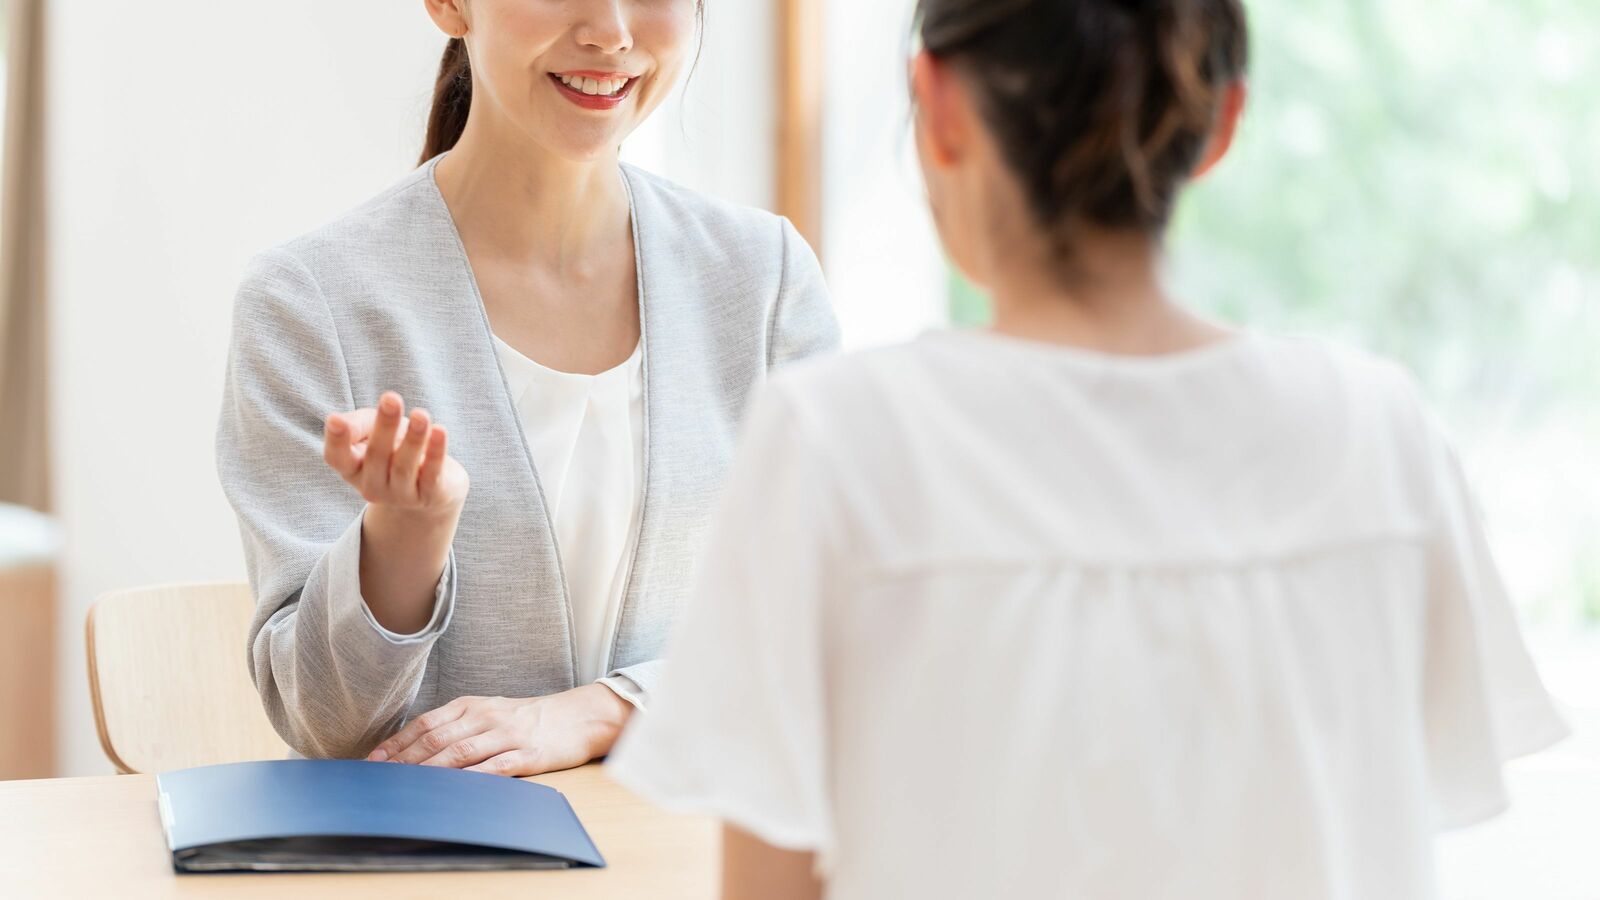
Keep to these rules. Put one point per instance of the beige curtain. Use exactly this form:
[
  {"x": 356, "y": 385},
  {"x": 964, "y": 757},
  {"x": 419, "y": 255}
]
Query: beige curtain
[{"x": 24, "y": 427}]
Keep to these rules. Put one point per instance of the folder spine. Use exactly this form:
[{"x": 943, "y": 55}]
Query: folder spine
[{"x": 165, "y": 806}]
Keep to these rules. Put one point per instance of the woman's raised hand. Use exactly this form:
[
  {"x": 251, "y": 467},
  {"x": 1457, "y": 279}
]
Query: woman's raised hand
[
  {"x": 394, "y": 460},
  {"x": 401, "y": 466}
]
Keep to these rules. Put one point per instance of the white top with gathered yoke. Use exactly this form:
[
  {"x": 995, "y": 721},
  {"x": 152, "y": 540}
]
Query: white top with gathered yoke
[{"x": 1019, "y": 620}]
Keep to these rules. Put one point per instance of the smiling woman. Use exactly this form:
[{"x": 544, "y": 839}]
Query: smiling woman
[
  {"x": 453, "y": 90},
  {"x": 588, "y": 332}
]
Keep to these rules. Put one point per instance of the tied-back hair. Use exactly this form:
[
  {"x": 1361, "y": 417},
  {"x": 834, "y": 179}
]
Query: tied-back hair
[
  {"x": 452, "y": 100},
  {"x": 1101, "y": 108}
]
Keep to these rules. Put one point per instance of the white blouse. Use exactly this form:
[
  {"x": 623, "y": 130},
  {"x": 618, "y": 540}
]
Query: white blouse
[
  {"x": 586, "y": 434},
  {"x": 1015, "y": 620}
]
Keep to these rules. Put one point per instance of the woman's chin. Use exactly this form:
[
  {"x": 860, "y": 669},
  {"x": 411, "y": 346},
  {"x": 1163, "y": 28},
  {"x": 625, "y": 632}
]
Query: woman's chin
[
  {"x": 581, "y": 142},
  {"x": 600, "y": 152}
]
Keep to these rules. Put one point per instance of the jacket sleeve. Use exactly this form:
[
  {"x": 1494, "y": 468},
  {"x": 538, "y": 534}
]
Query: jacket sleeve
[
  {"x": 803, "y": 323},
  {"x": 334, "y": 682}
]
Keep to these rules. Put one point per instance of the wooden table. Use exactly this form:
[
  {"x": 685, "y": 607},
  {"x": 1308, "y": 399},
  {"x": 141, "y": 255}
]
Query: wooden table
[{"x": 101, "y": 837}]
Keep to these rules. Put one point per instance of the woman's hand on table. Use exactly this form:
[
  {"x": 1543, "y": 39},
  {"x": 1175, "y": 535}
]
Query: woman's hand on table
[{"x": 515, "y": 737}]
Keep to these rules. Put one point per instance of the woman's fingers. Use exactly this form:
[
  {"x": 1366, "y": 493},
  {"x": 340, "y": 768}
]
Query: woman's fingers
[
  {"x": 438, "y": 450},
  {"x": 513, "y": 763},
  {"x": 432, "y": 743},
  {"x": 344, "y": 441},
  {"x": 473, "y": 749},
  {"x": 337, "y": 451},
  {"x": 360, "y": 424},
  {"x": 381, "y": 447},
  {"x": 391, "y": 457},
  {"x": 418, "y": 727},
  {"x": 408, "y": 457}
]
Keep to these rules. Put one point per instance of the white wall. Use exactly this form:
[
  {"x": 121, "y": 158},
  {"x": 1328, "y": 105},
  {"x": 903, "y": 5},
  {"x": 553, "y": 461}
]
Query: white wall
[
  {"x": 716, "y": 133},
  {"x": 185, "y": 138}
]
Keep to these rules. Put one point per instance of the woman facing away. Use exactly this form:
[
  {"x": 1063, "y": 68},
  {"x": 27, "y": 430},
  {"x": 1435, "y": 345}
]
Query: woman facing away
[
  {"x": 589, "y": 334},
  {"x": 1107, "y": 601}
]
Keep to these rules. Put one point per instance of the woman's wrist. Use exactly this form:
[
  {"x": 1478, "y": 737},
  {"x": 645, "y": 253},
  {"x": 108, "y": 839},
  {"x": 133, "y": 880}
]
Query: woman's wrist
[
  {"x": 403, "y": 555},
  {"x": 608, "y": 713},
  {"x": 418, "y": 523}
]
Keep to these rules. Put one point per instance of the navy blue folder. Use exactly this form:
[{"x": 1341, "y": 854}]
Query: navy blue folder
[{"x": 304, "y": 815}]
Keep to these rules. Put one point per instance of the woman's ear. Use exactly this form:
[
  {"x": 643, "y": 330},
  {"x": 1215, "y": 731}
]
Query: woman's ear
[
  {"x": 449, "y": 15},
  {"x": 1233, "y": 102},
  {"x": 939, "y": 110}
]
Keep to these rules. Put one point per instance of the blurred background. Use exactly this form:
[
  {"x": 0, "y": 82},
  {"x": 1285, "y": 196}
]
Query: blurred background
[{"x": 1416, "y": 179}]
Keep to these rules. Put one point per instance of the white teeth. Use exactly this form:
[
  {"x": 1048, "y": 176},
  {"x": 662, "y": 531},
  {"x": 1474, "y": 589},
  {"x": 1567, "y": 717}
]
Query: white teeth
[{"x": 592, "y": 87}]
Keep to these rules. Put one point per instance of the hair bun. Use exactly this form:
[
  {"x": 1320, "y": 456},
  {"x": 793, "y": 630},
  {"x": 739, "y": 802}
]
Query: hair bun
[
  {"x": 945, "y": 34},
  {"x": 1140, "y": 7},
  {"x": 1101, "y": 108}
]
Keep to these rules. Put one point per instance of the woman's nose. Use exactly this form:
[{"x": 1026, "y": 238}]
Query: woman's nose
[{"x": 603, "y": 24}]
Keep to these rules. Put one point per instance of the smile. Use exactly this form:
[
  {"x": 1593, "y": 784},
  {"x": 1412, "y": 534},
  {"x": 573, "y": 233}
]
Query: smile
[{"x": 594, "y": 90}]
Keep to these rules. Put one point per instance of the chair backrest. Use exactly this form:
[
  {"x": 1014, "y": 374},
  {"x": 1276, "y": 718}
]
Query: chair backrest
[{"x": 170, "y": 684}]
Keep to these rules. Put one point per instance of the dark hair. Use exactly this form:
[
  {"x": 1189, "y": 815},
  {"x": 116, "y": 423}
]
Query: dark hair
[
  {"x": 1100, "y": 107},
  {"x": 452, "y": 100},
  {"x": 452, "y": 92}
]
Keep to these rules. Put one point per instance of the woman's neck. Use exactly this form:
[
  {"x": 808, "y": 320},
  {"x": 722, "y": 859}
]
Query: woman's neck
[
  {"x": 513, "y": 199},
  {"x": 1113, "y": 303}
]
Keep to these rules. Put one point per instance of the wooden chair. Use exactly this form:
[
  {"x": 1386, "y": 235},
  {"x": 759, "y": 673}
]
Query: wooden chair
[{"x": 170, "y": 684}]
